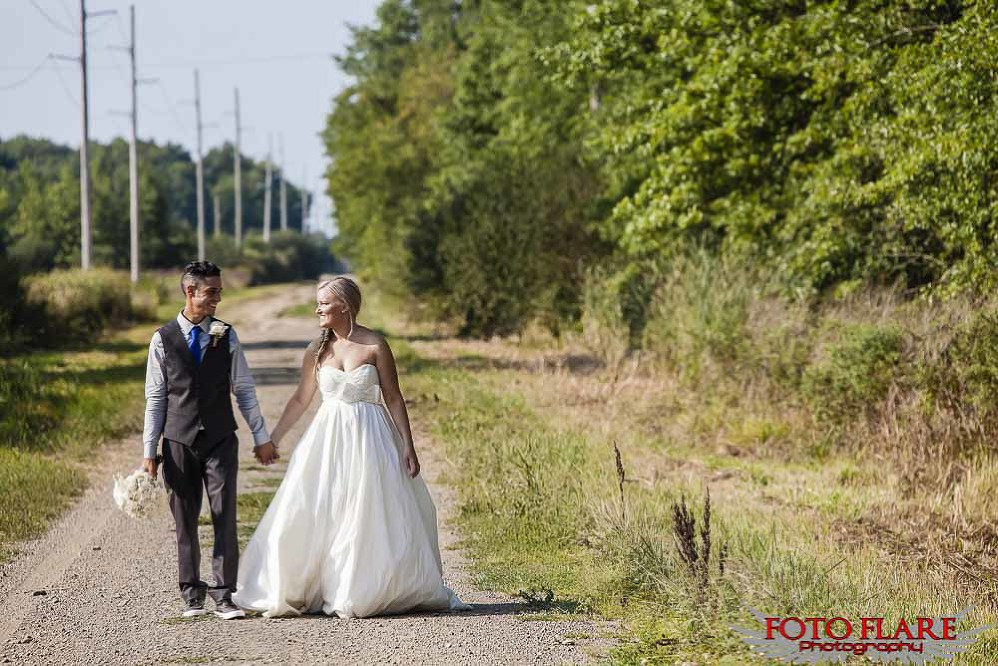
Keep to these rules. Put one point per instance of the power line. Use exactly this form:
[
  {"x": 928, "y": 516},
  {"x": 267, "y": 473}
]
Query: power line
[
  {"x": 51, "y": 20},
  {"x": 27, "y": 78},
  {"x": 65, "y": 10},
  {"x": 99, "y": 29},
  {"x": 65, "y": 86},
  {"x": 121, "y": 29},
  {"x": 242, "y": 61},
  {"x": 117, "y": 67},
  {"x": 171, "y": 107}
]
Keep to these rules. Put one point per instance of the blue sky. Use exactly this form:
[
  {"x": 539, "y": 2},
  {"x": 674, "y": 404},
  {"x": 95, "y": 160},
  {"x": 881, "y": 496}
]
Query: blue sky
[{"x": 278, "y": 54}]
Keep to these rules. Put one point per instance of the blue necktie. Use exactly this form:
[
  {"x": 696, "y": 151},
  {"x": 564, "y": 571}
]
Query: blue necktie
[{"x": 195, "y": 345}]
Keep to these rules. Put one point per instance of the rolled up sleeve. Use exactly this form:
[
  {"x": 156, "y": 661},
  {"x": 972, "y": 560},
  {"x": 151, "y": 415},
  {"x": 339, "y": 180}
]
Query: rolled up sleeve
[
  {"x": 155, "y": 415},
  {"x": 244, "y": 389}
]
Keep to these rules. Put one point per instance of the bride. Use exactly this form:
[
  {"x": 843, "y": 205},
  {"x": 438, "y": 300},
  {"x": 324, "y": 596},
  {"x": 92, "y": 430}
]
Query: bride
[{"x": 352, "y": 530}]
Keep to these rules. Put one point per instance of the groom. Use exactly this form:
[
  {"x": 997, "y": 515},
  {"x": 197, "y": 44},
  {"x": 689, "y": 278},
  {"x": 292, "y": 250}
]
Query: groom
[{"x": 195, "y": 361}]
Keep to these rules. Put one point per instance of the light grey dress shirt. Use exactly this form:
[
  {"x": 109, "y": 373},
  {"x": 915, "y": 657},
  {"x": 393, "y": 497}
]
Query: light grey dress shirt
[{"x": 240, "y": 379}]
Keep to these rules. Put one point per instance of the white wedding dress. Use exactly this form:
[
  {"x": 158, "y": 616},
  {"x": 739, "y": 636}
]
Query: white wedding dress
[{"x": 348, "y": 532}]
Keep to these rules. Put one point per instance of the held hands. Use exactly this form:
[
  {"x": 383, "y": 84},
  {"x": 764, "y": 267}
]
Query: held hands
[
  {"x": 410, "y": 461},
  {"x": 266, "y": 453}
]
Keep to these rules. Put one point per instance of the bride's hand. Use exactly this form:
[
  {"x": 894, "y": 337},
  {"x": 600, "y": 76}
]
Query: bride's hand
[{"x": 411, "y": 461}]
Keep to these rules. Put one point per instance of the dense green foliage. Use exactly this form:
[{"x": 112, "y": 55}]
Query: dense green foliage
[
  {"x": 40, "y": 233},
  {"x": 40, "y": 202},
  {"x": 489, "y": 152},
  {"x": 457, "y": 168},
  {"x": 76, "y": 305}
]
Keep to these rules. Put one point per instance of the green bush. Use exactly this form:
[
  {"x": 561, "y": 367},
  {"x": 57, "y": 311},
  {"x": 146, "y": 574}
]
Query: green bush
[
  {"x": 12, "y": 305},
  {"x": 615, "y": 308},
  {"x": 855, "y": 373},
  {"x": 698, "y": 315},
  {"x": 222, "y": 251},
  {"x": 289, "y": 256},
  {"x": 962, "y": 374},
  {"x": 76, "y": 305}
]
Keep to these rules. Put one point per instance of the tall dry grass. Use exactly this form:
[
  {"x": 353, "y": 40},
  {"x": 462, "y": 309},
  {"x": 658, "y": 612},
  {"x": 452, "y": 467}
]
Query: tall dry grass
[{"x": 847, "y": 444}]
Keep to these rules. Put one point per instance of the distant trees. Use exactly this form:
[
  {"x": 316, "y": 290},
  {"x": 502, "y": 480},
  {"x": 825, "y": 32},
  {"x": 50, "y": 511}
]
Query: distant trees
[{"x": 40, "y": 202}]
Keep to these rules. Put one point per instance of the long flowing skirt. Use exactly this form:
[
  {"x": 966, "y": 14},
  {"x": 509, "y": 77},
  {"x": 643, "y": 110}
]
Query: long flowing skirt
[{"x": 348, "y": 532}]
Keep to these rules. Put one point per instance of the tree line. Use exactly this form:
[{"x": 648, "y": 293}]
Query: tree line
[
  {"x": 40, "y": 203},
  {"x": 494, "y": 156}
]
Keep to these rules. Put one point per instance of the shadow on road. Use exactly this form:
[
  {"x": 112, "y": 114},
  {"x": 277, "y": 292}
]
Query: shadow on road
[
  {"x": 276, "y": 344},
  {"x": 476, "y": 610},
  {"x": 275, "y": 375}
]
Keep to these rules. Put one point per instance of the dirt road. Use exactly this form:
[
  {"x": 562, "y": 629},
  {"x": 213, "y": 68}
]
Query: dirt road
[{"x": 101, "y": 588}]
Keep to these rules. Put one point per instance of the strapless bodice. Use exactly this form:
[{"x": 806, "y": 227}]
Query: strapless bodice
[{"x": 357, "y": 385}]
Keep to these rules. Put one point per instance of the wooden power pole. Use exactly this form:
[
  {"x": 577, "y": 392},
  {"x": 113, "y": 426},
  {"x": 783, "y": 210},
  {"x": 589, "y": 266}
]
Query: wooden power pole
[
  {"x": 238, "y": 179},
  {"x": 304, "y": 200},
  {"x": 218, "y": 216},
  {"x": 284, "y": 190},
  {"x": 85, "y": 222},
  {"x": 266, "y": 192},
  {"x": 200, "y": 168},
  {"x": 133, "y": 159}
]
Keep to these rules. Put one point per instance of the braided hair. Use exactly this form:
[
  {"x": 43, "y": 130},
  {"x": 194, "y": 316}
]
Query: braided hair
[{"x": 320, "y": 347}]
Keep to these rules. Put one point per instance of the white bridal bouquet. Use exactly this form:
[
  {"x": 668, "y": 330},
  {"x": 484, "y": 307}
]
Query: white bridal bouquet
[{"x": 137, "y": 493}]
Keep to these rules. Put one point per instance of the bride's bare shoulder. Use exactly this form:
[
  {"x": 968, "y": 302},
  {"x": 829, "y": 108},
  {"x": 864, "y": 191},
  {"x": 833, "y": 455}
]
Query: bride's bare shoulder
[{"x": 365, "y": 336}]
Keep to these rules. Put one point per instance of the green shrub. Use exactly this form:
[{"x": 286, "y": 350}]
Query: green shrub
[
  {"x": 289, "y": 256},
  {"x": 962, "y": 374},
  {"x": 698, "y": 315},
  {"x": 222, "y": 250},
  {"x": 76, "y": 305},
  {"x": 603, "y": 324},
  {"x": 11, "y": 305},
  {"x": 855, "y": 374}
]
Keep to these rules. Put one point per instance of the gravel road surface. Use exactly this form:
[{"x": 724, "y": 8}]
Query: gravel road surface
[{"x": 100, "y": 587}]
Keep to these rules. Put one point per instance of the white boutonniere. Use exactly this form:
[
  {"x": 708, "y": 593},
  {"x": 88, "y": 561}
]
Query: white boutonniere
[{"x": 216, "y": 331}]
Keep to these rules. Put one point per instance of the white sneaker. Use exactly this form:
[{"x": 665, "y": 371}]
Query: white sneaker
[
  {"x": 194, "y": 608},
  {"x": 228, "y": 610}
]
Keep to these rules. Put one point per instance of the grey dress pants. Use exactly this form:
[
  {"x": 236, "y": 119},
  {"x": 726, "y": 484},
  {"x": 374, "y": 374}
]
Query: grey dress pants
[{"x": 188, "y": 471}]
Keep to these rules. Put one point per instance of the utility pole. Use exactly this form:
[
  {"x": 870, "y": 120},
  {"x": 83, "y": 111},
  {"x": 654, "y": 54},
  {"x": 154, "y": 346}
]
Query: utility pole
[
  {"x": 200, "y": 168},
  {"x": 86, "y": 244},
  {"x": 85, "y": 222},
  {"x": 284, "y": 190},
  {"x": 266, "y": 192},
  {"x": 133, "y": 151},
  {"x": 239, "y": 180},
  {"x": 304, "y": 200},
  {"x": 218, "y": 216},
  {"x": 133, "y": 158}
]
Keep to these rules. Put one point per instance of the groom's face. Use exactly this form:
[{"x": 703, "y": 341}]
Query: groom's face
[{"x": 206, "y": 296}]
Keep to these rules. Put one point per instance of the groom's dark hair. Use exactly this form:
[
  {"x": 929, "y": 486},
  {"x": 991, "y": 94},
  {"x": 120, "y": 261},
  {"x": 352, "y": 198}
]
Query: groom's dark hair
[{"x": 196, "y": 271}]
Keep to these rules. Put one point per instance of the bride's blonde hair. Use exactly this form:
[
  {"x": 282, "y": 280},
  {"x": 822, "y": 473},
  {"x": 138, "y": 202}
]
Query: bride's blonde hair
[{"x": 348, "y": 291}]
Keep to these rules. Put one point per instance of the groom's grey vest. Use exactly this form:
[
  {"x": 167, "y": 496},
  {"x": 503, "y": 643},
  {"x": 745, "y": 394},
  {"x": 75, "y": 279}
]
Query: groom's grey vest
[{"x": 196, "y": 395}]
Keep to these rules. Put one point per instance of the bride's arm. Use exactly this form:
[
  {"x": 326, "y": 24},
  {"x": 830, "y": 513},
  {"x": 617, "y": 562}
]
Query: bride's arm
[
  {"x": 389, "y": 378},
  {"x": 301, "y": 398}
]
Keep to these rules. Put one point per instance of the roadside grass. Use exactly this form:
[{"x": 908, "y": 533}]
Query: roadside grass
[
  {"x": 34, "y": 488},
  {"x": 306, "y": 309},
  {"x": 59, "y": 407},
  {"x": 806, "y": 529},
  {"x": 250, "y": 509}
]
